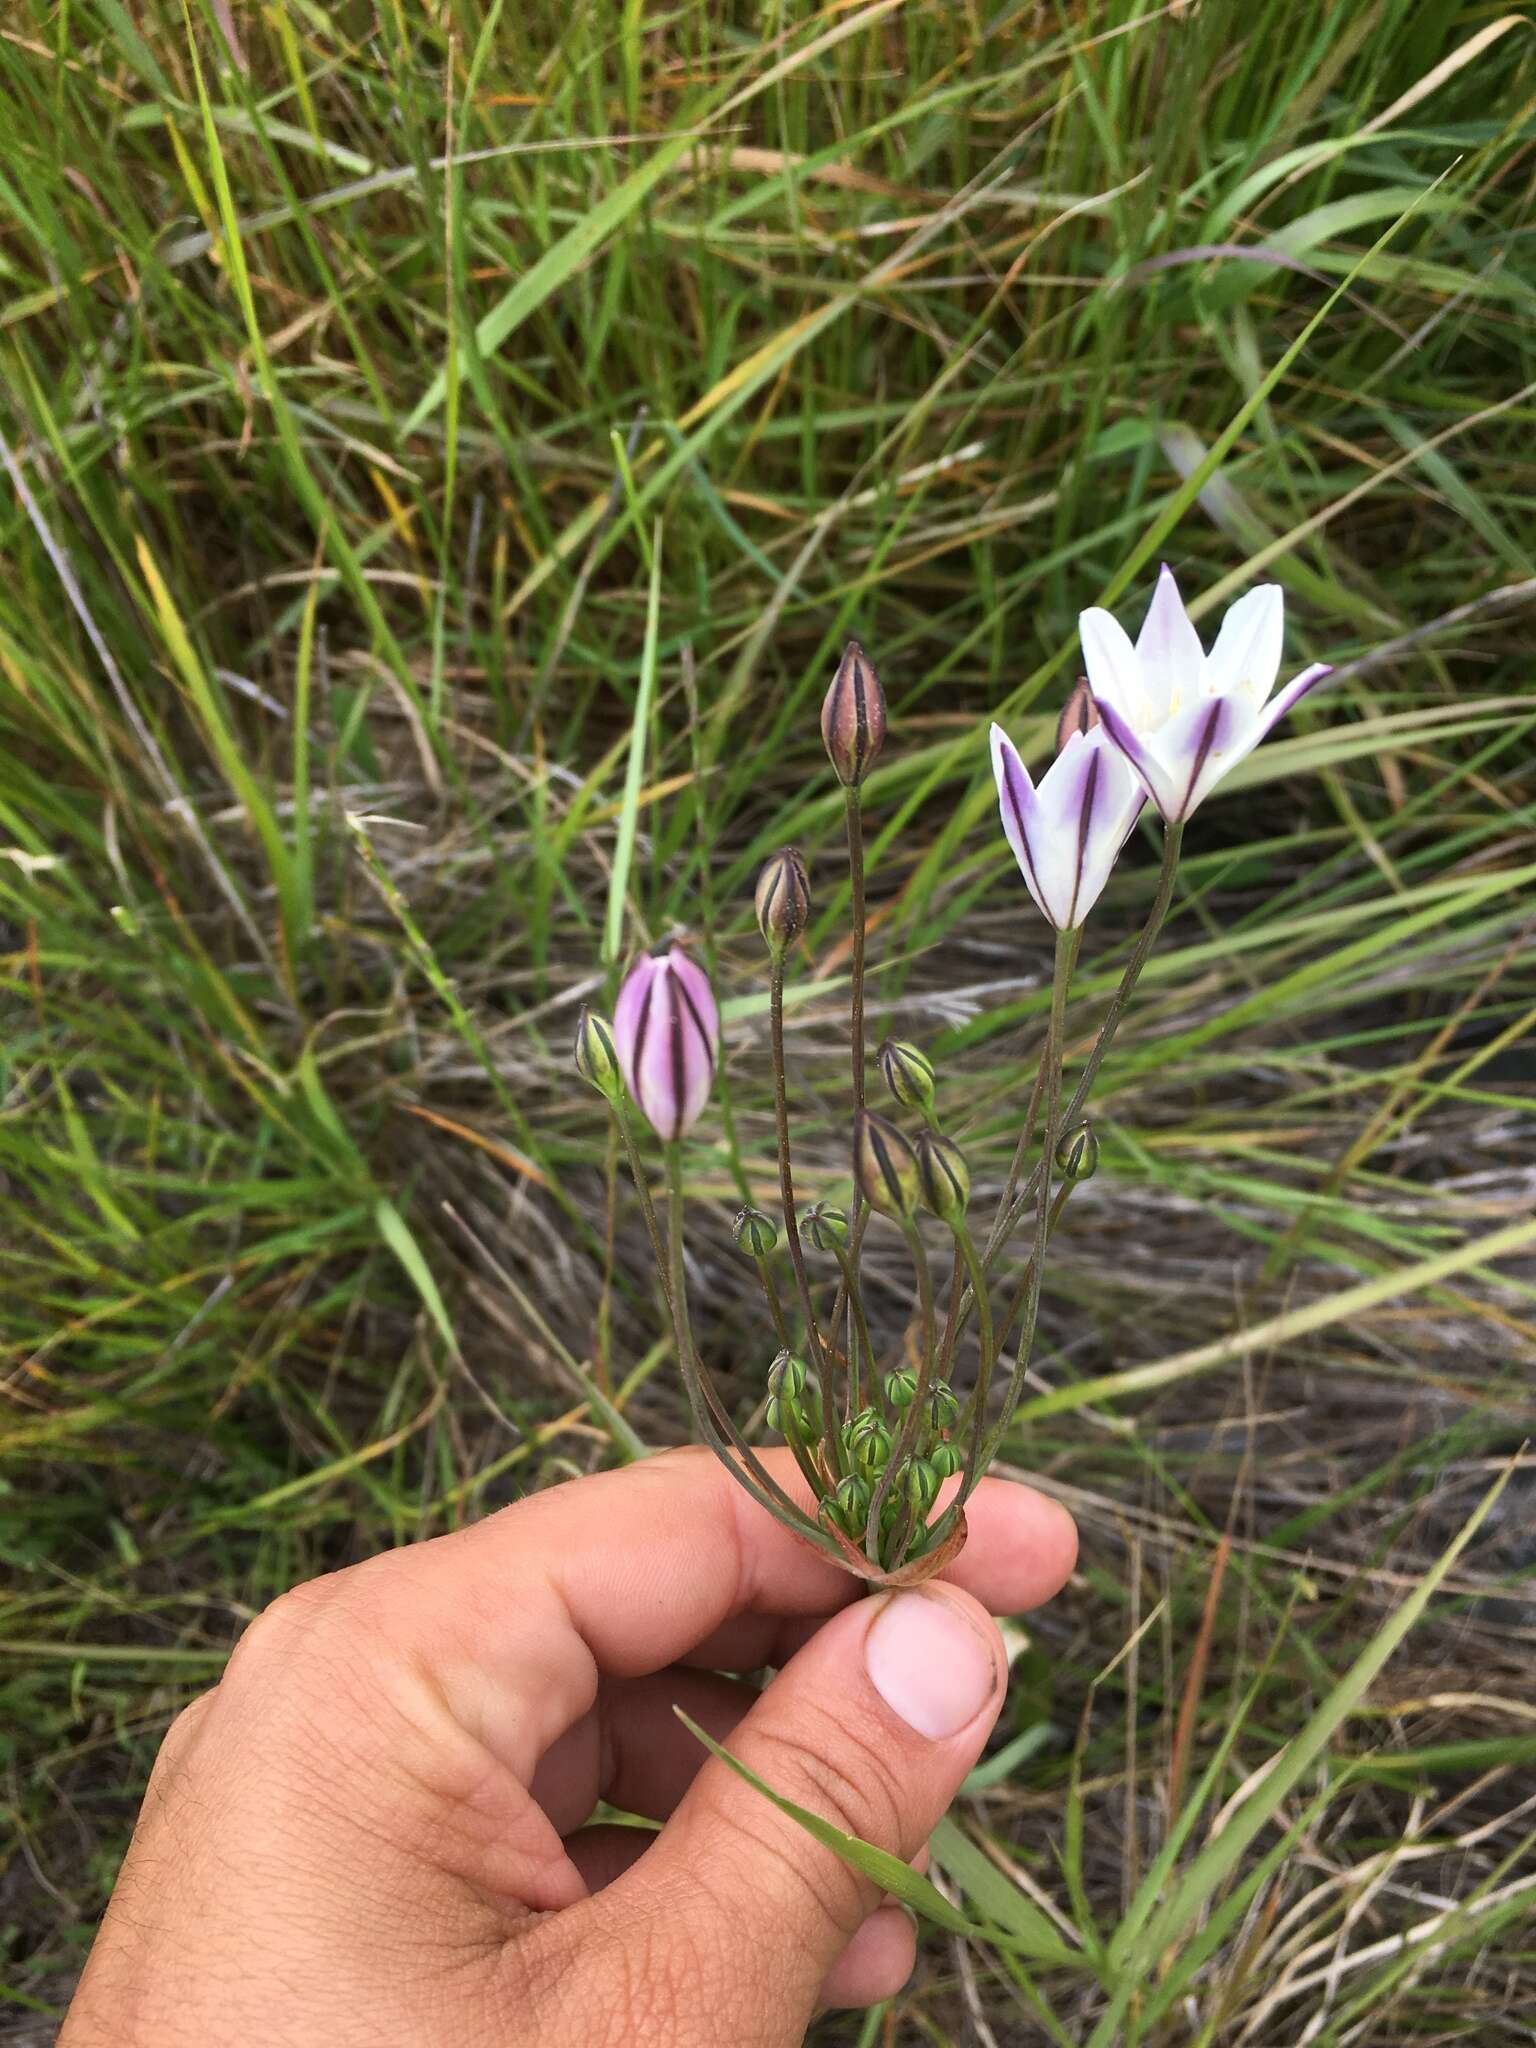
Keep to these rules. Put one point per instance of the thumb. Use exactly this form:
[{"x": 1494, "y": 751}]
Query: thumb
[{"x": 872, "y": 1725}]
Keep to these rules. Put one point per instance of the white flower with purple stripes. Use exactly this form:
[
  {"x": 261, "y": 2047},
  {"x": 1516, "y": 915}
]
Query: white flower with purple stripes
[
  {"x": 1067, "y": 832},
  {"x": 666, "y": 1031},
  {"x": 1183, "y": 718}
]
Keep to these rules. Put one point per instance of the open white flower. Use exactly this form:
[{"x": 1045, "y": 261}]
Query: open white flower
[
  {"x": 1180, "y": 716},
  {"x": 1066, "y": 833}
]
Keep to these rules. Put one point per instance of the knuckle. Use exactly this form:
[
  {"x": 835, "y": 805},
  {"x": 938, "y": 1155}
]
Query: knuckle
[{"x": 283, "y": 1630}]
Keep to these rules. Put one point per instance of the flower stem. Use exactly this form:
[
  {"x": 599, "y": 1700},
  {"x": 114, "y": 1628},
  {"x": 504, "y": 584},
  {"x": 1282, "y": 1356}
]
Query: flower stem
[
  {"x": 901, "y": 1450},
  {"x": 860, "y": 1330},
  {"x": 855, "y": 817},
  {"x": 1173, "y": 836},
  {"x": 710, "y": 1417},
  {"x": 818, "y": 1350},
  {"x": 1067, "y": 944},
  {"x": 775, "y": 1306}
]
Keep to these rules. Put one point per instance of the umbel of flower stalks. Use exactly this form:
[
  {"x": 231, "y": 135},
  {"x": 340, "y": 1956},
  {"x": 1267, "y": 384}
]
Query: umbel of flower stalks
[
  {"x": 666, "y": 1032},
  {"x": 870, "y": 1422}
]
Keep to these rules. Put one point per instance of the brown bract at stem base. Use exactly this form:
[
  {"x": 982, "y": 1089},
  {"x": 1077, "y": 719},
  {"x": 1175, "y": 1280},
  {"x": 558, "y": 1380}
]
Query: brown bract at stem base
[{"x": 913, "y": 1572}]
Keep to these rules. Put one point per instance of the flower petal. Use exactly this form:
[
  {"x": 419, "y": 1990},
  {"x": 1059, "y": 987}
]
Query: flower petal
[
  {"x": 1199, "y": 746},
  {"x": 1164, "y": 788},
  {"x": 1169, "y": 651},
  {"x": 1020, "y": 809},
  {"x": 1114, "y": 673},
  {"x": 1297, "y": 688},
  {"x": 1246, "y": 657},
  {"x": 1117, "y": 801},
  {"x": 699, "y": 1035},
  {"x": 1089, "y": 800},
  {"x": 628, "y": 1013}
]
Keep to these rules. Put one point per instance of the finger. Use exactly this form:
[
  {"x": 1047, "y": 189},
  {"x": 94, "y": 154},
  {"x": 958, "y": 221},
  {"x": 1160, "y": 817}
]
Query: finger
[
  {"x": 605, "y": 1851},
  {"x": 622, "y": 1573},
  {"x": 876, "y": 1963},
  {"x": 1020, "y": 1553},
  {"x": 632, "y": 1750},
  {"x": 873, "y": 1725}
]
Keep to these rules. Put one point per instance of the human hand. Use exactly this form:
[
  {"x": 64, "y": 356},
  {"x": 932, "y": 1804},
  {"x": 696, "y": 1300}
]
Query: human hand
[{"x": 373, "y": 1828}]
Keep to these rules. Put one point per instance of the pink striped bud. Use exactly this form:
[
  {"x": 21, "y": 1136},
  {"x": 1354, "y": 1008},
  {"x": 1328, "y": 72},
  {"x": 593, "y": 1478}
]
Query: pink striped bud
[{"x": 666, "y": 1031}]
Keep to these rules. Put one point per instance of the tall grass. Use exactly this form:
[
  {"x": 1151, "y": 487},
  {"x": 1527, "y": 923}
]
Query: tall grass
[{"x": 410, "y": 414}]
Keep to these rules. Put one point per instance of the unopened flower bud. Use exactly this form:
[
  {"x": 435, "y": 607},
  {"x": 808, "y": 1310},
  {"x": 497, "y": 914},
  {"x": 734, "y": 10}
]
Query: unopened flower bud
[
  {"x": 945, "y": 1460},
  {"x": 901, "y": 1389},
  {"x": 667, "y": 1031},
  {"x": 1077, "y": 1156},
  {"x": 907, "y": 1073},
  {"x": 597, "y": 1057},
  {"x": 794, "y": 1412},
  {"x": 853, "y": 716},
  {"x": 884, "y": 1166},
  {"x": 825, "y": 1226},
  {"x": 1078, "y": 714},
  {"x": 848, "y": 1504},
  {"x": 755, "y": 1233},
  {"x": 868, "y": 1440},
  {"x": 920, "y": 1483},
  {"x": 783, "y": 900},
  {"x": 786, "y": 1377},
  {"x": 943, "y": 1176},
  {"x": 943, "y": 1406}
]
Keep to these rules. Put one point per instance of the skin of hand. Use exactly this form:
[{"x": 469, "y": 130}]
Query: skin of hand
[{"x": 374, "y": 1828}]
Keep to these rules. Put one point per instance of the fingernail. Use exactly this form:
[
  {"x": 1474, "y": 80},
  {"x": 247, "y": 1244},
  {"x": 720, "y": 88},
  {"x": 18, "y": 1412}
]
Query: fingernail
[{"x": 930, "y": 1663}]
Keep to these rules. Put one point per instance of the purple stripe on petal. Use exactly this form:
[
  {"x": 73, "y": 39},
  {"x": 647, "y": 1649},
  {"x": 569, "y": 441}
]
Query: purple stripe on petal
[
  {"x": 1142, "y": 759},
  {"x": 677, "y": 1057},
  {"x": 1087, "y": 803},
  {"x": 694, "y": 983},
  {"x": 627, "y": 1014},
  {"x": 1019, "y": 804},
  {"x": 1288, "y": 698},
  {"x": 1209, "y": 731}
]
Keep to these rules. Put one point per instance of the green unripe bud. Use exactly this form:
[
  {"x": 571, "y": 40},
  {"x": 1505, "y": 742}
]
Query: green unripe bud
[
  {"x": 901, "y": 1389},
  {"x": 943, "y": 1406},
  {"x": 885, "y": 1167},
  {"x": 825, "y": 1226},
  {"x": 848, "y": 1504},
  {"x": 787, "y": 1376},
  {"x": 943, "y": 1176},
  {"x": 795, "y": 1414},
  {"x": 1077, "y": 1156},
  {"x": 783, "y": 900},
  {"x": 945, "y": 1460},
  {"x": 907, "y": 1073},
  {"x": 597, "y": 1058},
  {"x": 920, "y": 1483},
  {"x": 755, "y": 1233},
  {"x": 868, "y": 1441}
]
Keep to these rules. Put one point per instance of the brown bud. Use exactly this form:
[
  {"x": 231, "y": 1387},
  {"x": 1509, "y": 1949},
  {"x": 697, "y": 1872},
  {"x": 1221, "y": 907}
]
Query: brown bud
[
  {"x": 853, "y": 716},
  {"x": 783, "y": 900},
  {"x": 943, "y": 1176},
  {"x": 884, "y": 1166},
  {"x": 1078, "y": 714}
]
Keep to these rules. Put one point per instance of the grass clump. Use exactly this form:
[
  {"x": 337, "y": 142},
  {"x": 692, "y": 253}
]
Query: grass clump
[{"x": 446, "y": 449}]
